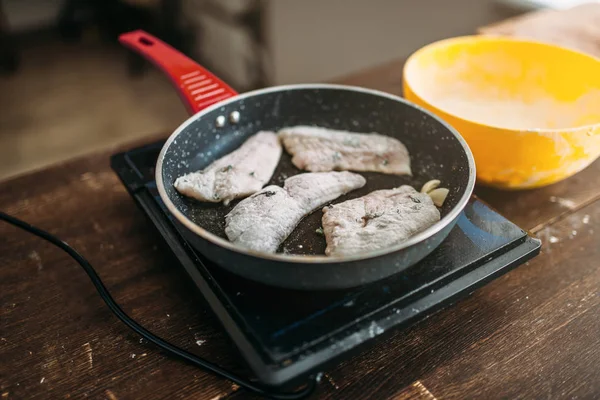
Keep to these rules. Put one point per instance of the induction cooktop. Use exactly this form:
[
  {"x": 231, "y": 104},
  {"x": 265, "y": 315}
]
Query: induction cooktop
[{"x": 286, "y": 335}]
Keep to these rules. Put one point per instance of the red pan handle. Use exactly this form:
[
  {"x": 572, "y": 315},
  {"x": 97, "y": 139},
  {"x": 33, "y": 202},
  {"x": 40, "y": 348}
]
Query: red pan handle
[{"x": 197, "y": 87}]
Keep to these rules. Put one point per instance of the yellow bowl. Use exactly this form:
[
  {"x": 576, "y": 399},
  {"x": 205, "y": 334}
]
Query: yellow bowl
[{"x": 529, "y": 111}]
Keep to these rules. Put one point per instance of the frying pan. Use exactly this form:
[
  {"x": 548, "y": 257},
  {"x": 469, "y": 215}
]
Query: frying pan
[{"x": 222, "y": 120}]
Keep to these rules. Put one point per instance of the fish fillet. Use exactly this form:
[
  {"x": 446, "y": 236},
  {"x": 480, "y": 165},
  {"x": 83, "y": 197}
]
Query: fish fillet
[
  {"x": 263, "y": 221},
  {"x": 238, "y": 174},
  {"x": 319, "y": 149},
  {"x": 382, "y": 218}
]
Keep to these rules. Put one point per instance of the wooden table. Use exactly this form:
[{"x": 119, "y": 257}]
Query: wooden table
[{"x": 533, "y": 333}]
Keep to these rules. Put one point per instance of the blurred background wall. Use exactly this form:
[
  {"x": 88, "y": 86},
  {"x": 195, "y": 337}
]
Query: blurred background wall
[
  {"x": 67, "y": 88},
  {"x": 254, "y": 43}
]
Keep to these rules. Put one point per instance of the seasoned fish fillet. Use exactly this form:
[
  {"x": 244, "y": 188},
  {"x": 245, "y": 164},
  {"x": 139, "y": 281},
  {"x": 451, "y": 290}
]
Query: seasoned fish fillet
[
  {"x": 319, "y": 149},
  {"x": 380, "y": 219},
  {"x": 263, "y": 221},
  {"x": 238, "y": 174}
]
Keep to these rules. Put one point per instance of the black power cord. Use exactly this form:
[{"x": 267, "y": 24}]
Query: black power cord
[{"x": 143, "y": 332}]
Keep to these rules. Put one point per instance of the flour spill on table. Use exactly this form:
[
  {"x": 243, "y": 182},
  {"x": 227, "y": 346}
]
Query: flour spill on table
[
  {"x": 549, "y": 237},
  {"x": 34, "y": 255},
  {"x": 578, "y": 224},
  {"x": 570, "y": 204},
  {"x": 198, "y": 339}
]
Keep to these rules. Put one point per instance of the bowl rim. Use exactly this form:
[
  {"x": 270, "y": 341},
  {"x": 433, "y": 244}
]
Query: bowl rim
[{"x": 496, "y": 38}]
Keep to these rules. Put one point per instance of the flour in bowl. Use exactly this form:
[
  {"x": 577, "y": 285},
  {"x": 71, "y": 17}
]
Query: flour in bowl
[{"x": 515, "y": 113}]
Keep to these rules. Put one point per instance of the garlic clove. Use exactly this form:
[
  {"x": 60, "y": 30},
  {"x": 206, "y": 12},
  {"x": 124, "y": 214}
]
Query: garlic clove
[
  {"x": 429, "y": 186},
  {"x": 439, "y": 196}
]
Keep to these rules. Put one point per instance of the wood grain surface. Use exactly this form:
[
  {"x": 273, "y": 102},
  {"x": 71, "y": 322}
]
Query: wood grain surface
[
  {"x": 533, "y": 333},
  {"x": 57, "y": 337}
]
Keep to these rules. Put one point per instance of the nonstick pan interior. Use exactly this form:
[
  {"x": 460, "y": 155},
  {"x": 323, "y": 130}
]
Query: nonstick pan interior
[{"x": 435, "y": 151}]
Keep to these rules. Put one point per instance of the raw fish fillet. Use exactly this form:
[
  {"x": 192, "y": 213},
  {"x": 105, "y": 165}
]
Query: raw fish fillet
[
  {"x": 318, "y": 149},
  {"x": 238, "y": 174},
  {"x": 263, "y": 221},
  {"x": 381, "y": 219}
]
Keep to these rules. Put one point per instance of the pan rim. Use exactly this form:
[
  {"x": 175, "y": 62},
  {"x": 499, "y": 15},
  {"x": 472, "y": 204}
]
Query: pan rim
[{"x": 313, "y": 259}]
